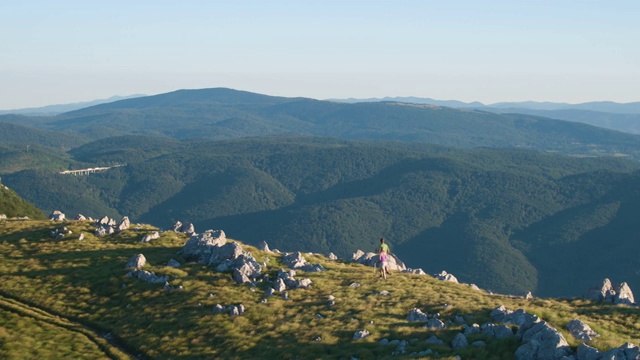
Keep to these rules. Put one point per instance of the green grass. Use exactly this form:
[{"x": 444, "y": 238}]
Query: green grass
[{"x": 84, "y": 284}]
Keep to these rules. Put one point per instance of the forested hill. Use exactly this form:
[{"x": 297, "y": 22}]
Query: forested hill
[
  {"x": 225, "y": 114},
  {"x": 12, "y": 205},
  {"x": 508, "y": 220}
]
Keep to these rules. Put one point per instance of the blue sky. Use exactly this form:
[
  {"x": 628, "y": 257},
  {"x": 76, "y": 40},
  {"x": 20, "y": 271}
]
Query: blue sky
[{"x": 54, "y": 52}]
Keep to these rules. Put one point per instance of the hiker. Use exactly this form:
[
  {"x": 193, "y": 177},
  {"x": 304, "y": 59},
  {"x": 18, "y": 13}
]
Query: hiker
[{"x": 383, "y": 256}]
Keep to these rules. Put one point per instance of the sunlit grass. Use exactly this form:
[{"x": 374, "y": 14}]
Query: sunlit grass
[{"x": 85, "y": 281}]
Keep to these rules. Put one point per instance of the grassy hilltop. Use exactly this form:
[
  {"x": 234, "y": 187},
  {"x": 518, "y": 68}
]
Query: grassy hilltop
[{"x": 71, "y": 299}]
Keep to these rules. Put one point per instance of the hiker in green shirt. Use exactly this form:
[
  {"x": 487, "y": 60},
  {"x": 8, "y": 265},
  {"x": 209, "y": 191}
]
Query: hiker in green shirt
[{"x": 383, "y": 256}]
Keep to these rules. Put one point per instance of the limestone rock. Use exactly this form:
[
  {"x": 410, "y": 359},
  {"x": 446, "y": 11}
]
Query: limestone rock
[
  {"x": 541, "y": 341},
  {"x": 459, "y": 341},
  {"x": 417, "y": 315},
  {"x": 81, "y": 217},
  {"x": 124, "y": 224},
  {"x": 360, "y": 335},
  {"x": 623, "y": 295},
  {"x": 444, "y": 276},
  {"x": 415, "y": 271},
  {"x": 434, "y": 340},
  {"x": 580, "y": 330},
  {"x": 599, "y": 292},
  {"x": 177, "y": 227},
  {"x": 332, "y": 256},
  {"x": 264, "y": 246},
  {"x": 436, "y": 324},
  {"x": 173, "y": 263},
  {"x": 200, "y": 247},
  {"x": 57, "y": 215},
  {"x": 148, "y": 276},
  {"x": 136, "y": 262},
  {"x": 151, "y": 236}
]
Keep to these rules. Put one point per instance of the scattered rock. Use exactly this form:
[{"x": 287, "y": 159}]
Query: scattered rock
[
  {"x": 264, "y": 246},
  {"x": 416, "y": 314},
  {"x": 415, "y": 271},
  {"x": 297, "y": 261},
  {"x": 435, "y": 324},
  {"x": 623, "y": 295},
  {"x": 541, "y": 341},
  {"x": 434, "y": 340},
  {"x": 136, "y": 262},
  {"x": 124, "y": 224},
  {"x": 81, "y": 217},
  {"x": 57, "y": 215},
  {"x": 173, "y": 263},
  {"x": 360, "y": 335},
  {"x": 332, "y": 256},
  {"x": 151, "y": 236},
  {"x": 148, "y": 276},
  {"x": 444, "y": 276},
  {"x": 580, "y": 330},
  {"x": 459, "y": 342}
]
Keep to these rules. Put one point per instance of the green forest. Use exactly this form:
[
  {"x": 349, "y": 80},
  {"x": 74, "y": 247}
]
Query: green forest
[{"x": 507, "y": 220}]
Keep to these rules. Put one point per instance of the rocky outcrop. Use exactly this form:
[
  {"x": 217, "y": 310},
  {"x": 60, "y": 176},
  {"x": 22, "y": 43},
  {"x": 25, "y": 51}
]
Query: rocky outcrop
[
  {"x": 124, "y": 224},
  {"x": 57, "y": 215},
  {"x": 188, "y": 229},
  {"x": 371, "y": 259},
  {"x": 298, "y": 262},
  {"x": 606, "y": 292},
  {"x": 200, "y": 247},
  {"x": 627, "y": 351},
  {"x": 108, "y": 226},
  {"x": 211, "y": 248},
  {"x": 541, "y": 341},
  {"x": 289, "y": 280},
  {"x": 263, "y": 246},
  {"x": 623, "y": 295}
]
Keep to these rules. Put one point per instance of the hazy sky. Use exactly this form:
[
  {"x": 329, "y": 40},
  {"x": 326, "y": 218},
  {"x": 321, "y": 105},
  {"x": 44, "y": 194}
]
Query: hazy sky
[{"x": 54, "y": 52}]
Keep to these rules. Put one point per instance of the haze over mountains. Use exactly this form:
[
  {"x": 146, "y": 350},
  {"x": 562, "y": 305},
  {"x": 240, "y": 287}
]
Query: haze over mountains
[
  {"x": 607, "y": 114},
  {"x": 491, "y": 197}
]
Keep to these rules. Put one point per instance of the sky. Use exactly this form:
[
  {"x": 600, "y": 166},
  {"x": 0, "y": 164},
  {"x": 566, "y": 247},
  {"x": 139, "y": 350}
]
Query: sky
[{"x": 63, "y": 51}]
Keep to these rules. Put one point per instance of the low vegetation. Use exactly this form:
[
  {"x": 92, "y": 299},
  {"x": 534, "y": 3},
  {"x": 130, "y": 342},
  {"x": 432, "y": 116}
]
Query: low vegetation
[{"x": 79, "y": 287}]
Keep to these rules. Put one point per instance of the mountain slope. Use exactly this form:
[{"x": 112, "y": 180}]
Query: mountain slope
[
  {"x": 86, "y": 283},
  {"x": 226, "y": 114},
  {"x": 492, "y": 217},
  {"x": 12, "y": 205}
]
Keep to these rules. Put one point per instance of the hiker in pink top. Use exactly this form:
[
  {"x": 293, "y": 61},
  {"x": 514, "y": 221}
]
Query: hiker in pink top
[{"x": 383, "y": 256}]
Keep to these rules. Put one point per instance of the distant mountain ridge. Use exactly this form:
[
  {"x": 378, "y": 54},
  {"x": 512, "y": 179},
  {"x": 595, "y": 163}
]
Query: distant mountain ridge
[
  {"x": 606, "y": 114},
  {"x": 601, "y": 106},
  {"x": 221, "y": 113},
  {"x": 51, "y": 110}
]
